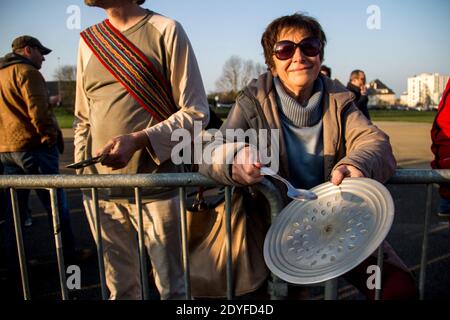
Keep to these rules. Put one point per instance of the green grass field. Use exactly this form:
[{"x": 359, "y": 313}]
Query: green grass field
[
  {"x": 405, "y": 116},
  {"x": 65, "y": 118}
]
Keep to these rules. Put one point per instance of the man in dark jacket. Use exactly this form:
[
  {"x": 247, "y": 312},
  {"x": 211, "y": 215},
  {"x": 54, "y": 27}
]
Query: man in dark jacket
[
  {"x": 357, "y": 85},
  {"x": 29, "y": 131}
]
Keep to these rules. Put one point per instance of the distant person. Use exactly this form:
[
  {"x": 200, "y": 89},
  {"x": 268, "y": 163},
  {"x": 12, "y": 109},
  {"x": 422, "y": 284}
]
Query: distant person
[
  {"x": 440, "y": 136},
  {"x": 325, "y": 70},
  {"x": 357, "y": 85},
  {"x": 130, "y": 122},
  {"x": 29, "y": 133}
]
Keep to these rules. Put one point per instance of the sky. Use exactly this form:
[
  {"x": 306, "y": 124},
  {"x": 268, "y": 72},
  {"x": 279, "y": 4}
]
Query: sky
[{"x": 389, "y": 40}]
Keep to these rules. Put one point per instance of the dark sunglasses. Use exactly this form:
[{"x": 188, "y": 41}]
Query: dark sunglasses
[{"x": 285, "y": 49}]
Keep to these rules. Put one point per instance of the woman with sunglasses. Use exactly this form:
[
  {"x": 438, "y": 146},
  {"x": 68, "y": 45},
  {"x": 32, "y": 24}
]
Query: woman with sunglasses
[{"x": 323, "y": 136}]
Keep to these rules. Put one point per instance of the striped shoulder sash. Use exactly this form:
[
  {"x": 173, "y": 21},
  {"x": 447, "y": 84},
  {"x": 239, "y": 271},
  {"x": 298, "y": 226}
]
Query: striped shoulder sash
[{"x": 131, "y": 68}]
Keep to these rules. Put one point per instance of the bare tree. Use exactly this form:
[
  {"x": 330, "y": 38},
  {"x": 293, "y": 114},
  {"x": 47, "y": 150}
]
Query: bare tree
[
  {"x": 247, "y": 73},
  {"x": 66, "y": 73},
  {"x": 259, "y": 69},
  {"x": 237, "y": 73},
  {"x": 66, "y": 76},
  {"x": 229, "y": 80}
]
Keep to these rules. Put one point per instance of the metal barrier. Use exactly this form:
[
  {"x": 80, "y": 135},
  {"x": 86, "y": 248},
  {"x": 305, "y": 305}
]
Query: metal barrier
[
  {"x": 181, "y": 181},
  {"x": 427, "y": 177}
]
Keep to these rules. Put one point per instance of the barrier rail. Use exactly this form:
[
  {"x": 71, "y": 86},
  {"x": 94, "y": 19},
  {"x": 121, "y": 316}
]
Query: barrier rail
[
  {"x": 427, "y": 177},
  {"x": 181, "y": 181}
]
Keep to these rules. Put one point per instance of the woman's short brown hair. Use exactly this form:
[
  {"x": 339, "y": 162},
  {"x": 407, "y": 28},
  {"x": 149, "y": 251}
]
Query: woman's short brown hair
[{"x": 297, "y": 21}]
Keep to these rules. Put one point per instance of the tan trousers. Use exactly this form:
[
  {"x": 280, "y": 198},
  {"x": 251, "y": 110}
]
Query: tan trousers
[{"x": 119, "y": 223}]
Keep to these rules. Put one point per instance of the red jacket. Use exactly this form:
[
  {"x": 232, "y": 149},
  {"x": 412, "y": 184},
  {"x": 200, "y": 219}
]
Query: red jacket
[{"x": 440, "y": 135}]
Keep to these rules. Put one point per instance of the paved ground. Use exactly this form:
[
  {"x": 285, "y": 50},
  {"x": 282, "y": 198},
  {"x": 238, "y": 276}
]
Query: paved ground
[
  {"x": 411, "y": 143},
  {"x": 411, "y": 147}
]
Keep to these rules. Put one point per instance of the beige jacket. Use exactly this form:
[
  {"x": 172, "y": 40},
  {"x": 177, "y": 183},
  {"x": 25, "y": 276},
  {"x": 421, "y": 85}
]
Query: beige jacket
[
  {"x": 104, "y": 109},
  {"x": 26, "y": 119},
  {"x": 348, "y": 137}
]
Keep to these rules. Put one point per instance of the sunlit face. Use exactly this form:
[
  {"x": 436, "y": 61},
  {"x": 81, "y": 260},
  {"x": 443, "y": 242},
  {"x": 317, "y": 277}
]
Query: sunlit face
[
  {"x": 298, "y": 72},
  {"x": 361, "y": 80}
]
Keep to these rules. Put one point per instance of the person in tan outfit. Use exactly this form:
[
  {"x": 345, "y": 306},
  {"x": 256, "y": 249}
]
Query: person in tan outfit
[
  {"x": 322, "y": 134},
  {"x": 120, "y": 115}
]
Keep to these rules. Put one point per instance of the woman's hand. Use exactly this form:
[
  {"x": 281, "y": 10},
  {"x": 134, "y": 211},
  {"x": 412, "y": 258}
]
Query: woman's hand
[
  {"x": 245, "y": 168},
  {"x": 119, "y": 150},
  {"x": 344, "y": 171}
]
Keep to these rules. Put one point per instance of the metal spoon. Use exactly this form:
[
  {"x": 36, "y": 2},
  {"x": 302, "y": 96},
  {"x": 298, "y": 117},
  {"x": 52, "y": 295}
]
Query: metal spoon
[{"x": 296, "y": 194}]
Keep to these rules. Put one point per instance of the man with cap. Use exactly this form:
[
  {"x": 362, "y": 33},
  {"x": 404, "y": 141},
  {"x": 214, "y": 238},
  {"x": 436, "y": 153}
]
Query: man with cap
[
  {"x": 29, "y": 131},
  {"x": 18, "y": 46}
]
